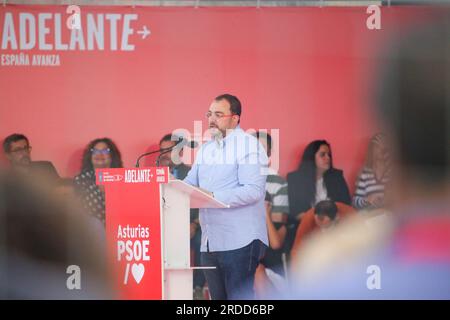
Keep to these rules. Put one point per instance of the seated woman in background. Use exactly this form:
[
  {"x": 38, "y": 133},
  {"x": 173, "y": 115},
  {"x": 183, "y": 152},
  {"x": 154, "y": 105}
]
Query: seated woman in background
[
  {"x": 371, "y": 182},
  {"x": 99, "y": 153},
  {"x": 314, "y": 181}
]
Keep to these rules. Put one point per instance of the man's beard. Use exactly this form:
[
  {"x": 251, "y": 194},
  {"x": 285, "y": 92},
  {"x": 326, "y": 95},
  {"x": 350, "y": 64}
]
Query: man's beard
[{"x": 216, "y": 133}]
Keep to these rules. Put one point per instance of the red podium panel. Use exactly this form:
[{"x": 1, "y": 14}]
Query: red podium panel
[{"x": 133, "y": 229}]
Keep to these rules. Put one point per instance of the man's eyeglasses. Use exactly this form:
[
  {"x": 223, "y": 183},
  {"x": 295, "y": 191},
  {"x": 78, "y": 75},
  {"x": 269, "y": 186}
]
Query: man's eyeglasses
[
  {"x": 100, "y": 151},
  {"x": 217, "y": 115},
  {"x": 24, "y": 149}
]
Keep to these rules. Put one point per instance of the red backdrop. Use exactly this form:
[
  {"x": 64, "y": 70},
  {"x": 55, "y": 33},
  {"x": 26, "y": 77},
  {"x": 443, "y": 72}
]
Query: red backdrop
[{"x": 305, "y": 71}]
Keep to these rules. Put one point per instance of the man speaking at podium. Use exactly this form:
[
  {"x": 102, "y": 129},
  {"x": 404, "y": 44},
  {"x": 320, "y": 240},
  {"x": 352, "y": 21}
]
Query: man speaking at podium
[{"x": 231, "y": 168}]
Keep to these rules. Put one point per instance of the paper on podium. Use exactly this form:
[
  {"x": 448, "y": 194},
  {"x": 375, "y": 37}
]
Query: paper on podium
[{"x": 199, "y": 199}]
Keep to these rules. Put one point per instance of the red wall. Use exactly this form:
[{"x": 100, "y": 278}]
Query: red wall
[{"x": 304, "y": 71}]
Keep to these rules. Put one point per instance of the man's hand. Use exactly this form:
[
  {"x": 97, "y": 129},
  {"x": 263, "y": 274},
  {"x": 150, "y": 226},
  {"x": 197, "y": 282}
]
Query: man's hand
[
  {"x": 376, "y": 199},
  {"x": 193, "y": 229}
]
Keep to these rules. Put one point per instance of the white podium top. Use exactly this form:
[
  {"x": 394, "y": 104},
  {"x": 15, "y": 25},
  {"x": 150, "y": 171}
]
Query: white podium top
[{"x": 199, "y": 199}]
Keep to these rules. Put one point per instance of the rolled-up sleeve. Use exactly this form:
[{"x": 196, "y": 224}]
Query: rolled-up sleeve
[{"x": 192, "y": 176}]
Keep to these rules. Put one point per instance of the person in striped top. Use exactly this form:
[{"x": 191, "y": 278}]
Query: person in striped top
[
  {"x": 371, "y": 182},
  {"x": 271, "y": 271}
]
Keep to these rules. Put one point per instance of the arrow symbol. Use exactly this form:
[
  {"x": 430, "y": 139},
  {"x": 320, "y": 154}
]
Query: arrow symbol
[{"x": 145, "y": 32}]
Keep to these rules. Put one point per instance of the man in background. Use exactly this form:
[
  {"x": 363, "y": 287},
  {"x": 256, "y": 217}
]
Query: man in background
[{"x": 17, "y": 150}]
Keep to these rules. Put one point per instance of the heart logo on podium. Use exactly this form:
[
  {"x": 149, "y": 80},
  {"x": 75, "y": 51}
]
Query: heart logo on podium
[{"x": 138, "y": 270}]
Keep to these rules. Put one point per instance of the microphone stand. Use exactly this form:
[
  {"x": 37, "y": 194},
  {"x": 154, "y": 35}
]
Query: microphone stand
[{"x": 162, "y": 151}]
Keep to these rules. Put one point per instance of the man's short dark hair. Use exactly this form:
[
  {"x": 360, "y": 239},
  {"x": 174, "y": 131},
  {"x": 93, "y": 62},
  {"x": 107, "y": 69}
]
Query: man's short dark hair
[
  {"x": 169, "y": 137},
  {"x": 326, "y": 208},
  {"x": 235, "y": 104},
  {"x": 13, "y": 138},
  {"x": 268, "y": 137}
]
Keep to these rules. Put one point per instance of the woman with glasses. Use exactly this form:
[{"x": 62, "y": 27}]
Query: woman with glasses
[
  {"x": 315, "y": 180},
  {"x": 99, "y": 153}
]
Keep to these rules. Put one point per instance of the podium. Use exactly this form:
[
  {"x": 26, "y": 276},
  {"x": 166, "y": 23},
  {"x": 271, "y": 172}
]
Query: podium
[{"x": 147, "y": 231}]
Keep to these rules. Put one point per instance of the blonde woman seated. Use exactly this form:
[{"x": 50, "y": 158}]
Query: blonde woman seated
[{"x": 372, "y": 181}]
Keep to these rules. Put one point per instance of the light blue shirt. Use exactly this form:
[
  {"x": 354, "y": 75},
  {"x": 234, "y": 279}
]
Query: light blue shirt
[{"x": 235, "y": 170}]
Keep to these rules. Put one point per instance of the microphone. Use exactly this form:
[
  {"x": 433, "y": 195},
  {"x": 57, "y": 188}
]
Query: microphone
[
  {"x": 180, "y": 143},
  {"x": 184, "y": 142}
]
